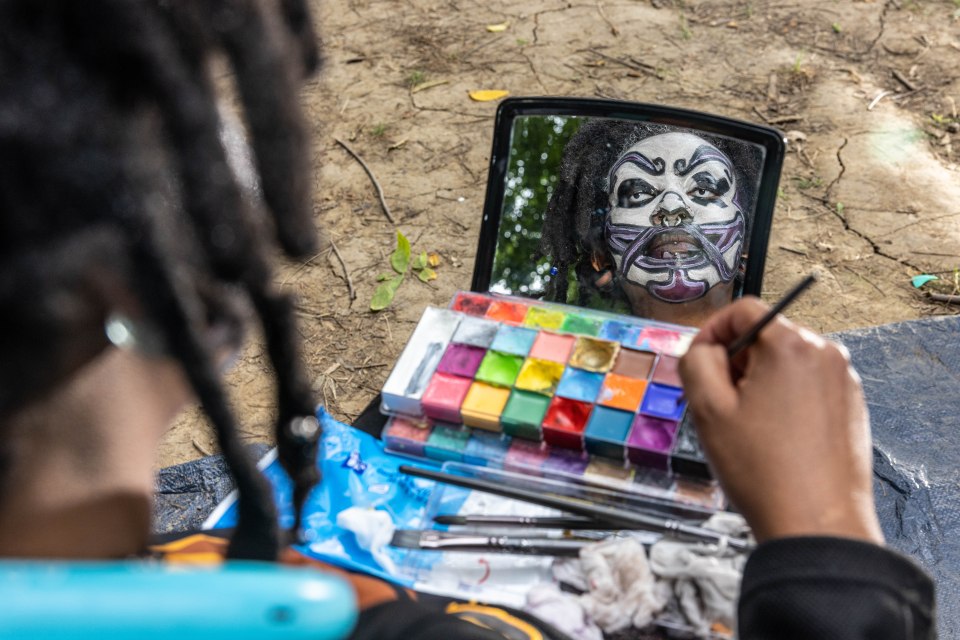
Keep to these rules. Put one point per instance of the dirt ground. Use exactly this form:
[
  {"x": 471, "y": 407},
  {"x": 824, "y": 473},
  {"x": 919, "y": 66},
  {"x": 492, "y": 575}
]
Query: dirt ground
[{"x": 867, "y": 92}]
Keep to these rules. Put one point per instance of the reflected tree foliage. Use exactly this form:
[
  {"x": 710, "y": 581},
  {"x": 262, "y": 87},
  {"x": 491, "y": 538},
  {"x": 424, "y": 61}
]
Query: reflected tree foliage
[{"x": 533, "y": 167}]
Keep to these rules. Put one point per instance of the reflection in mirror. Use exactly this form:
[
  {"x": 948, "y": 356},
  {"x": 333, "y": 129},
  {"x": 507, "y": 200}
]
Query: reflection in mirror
[{"x": 626, "y": 216}]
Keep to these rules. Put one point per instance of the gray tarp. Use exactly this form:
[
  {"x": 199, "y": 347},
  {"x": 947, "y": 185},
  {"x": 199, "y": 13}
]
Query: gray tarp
[{"x": 911, "y": 374}]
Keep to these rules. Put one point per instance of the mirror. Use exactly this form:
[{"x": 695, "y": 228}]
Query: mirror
[{"x": 644, "y": 210}]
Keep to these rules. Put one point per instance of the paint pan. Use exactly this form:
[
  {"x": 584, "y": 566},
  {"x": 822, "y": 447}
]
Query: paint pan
[
  {"x": 443, "y": 397},
  {"x": 523, "y": 414},
  {"x": 514, "y": 340},
  {"x": 486, "y": 449},
  {"x": 461, "y": 360},
  {"x": 607, "y": 431},
  {"x": 471, "y": 304},
  {"x": 475, "y": 332},
  {"x": 447, "y": 443},
  {"x": 524, "y": 456},
  {"x": 667, "y": 371},
  {"x": 580, "y": 325},
  {"x": 634, "y": 364},
  {"x": 565, "y": 422},
  {"x": 500, "y": 369},
  {"x": 483, "y": 405},
  {"x": 403, "y": 435},
  {"x": 664, "y": 402},
  {"x": 412, "y": 373},
  {"x": 506, "y": 311},
  {"x": 650, "y": 442},
  {"x": 610, "y": 473},
  {"x": 594, "y": 355},
  {"x": 581, "y": 385},
  {"x": 565, "y": 462},
  {"x": 624, "y": 333},
  {"x": 552, "y": 346},
  {"x": 539, "y": 376},
  {"x": 687, "y": 457},
  {"x": 542, "y": 318},
  {"x": 659, "y": 340},
  {"x": 621, "y": 392}
]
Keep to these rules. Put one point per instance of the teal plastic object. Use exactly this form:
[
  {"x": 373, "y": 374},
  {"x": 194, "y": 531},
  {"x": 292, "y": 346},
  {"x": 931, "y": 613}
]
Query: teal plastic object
[{"x": 146, "y": 601}]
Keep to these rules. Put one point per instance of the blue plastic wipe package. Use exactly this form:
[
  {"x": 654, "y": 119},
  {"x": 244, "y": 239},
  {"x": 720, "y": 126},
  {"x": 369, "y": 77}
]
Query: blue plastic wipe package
[{"x": 357, "y": 472}]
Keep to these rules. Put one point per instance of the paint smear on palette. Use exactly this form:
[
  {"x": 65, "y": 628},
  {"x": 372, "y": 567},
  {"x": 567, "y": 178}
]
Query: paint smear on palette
[{"x": 539, "y": 376}]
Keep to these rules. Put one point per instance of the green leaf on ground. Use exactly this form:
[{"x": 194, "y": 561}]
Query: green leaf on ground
[
  {"x": 427, "y": 274},
  {"x": 400, "y": 259},
  {"x": 383, "y": 276},
  {"x": 420, "y": 261},
  {"x": 384, "y": 293}
]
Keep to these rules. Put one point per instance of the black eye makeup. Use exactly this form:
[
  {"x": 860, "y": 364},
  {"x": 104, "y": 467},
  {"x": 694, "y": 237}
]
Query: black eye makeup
[{"x": 635, "y": 192}]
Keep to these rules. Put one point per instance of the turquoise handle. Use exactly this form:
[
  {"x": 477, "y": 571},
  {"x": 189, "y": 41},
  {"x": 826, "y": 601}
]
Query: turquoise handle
[{"x": 144, "y": 601}]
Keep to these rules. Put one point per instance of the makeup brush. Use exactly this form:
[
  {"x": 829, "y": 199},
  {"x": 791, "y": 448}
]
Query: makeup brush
[
  {"x": 441, "y": 541},
  {"x": 750, "y": 336},
  {"x": 537, "y": 522},
  {"x": 608, "y": 515}
]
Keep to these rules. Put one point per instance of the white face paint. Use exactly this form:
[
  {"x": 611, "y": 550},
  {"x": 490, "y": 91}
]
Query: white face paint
[{"x": 676, "y": 223}]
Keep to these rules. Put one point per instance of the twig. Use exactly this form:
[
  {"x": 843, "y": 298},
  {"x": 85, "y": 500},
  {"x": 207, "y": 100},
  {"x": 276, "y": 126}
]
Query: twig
[
  {"x": 762, "y": 117},
  {"x": 902, "y": 79},
  {"x": 346, "y": 272},
  {"x": 942, "y": 297},
  {"x": 198, "y": 447},
  {"x": 613, "y": 29},
  {"x": 785, "y": 119},
  {"x": 877, "y": 98},
  {"x": 795, "y": 251},
  {"x": 373, "y": 178}
]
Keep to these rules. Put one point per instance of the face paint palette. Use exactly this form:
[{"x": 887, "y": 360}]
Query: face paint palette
[{"x": 534, "y": 379}]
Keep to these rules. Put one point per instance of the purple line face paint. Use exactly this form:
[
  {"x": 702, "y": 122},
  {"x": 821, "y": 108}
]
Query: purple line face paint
[{"x": 676, "y": 223}]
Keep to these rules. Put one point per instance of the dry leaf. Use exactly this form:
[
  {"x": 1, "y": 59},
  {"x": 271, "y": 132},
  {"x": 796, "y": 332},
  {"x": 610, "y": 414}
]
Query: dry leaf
[
  {"x": 497, "y": 28},
  {"x": 433, "y": 259},
  {"x": 488, "y": 95}
]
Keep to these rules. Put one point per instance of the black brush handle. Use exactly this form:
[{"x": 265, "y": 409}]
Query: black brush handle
[{"x": 615, "y": 517}]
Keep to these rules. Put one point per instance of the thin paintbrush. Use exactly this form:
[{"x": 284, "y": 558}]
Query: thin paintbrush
[
  {"x": 750, "y": 336},
  {"x": 441, "y": 541},
  {"x": 536, "y": 522},
  {"x": 607, "y": 515}
]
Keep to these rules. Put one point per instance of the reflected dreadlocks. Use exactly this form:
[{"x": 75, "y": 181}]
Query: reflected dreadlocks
[
  {"x": 108, "y": 115},
  {"x": 573, "y": 225}
]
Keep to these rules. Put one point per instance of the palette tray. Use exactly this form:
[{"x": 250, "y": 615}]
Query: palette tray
[{"x": 579, "y": 380}]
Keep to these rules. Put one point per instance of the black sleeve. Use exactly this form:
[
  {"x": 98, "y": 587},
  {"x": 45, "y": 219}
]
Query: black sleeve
[{"x": 833, "y": 589}]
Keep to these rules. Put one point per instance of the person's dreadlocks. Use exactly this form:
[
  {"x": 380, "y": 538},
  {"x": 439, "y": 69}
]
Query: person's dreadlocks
[
  {"x": 573, "y": 225},
  {"x": 108, "y": 117}
]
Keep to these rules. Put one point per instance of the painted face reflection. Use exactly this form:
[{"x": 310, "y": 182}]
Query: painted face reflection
[{"x": 676, "y": 224}]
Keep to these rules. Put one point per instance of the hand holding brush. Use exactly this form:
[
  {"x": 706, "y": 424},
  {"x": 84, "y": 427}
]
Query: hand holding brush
[{"x": 784, "y": 425}]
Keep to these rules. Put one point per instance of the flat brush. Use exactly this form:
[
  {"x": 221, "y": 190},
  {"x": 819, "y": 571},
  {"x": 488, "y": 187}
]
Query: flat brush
[
  {"x": 610, "y": 516},
  {"x": 439, "y": 541}
]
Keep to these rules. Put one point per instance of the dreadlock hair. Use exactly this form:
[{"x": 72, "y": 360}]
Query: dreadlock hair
[
  {"x": 112, "y": 169},
  {"x": 573, "y": 224}
]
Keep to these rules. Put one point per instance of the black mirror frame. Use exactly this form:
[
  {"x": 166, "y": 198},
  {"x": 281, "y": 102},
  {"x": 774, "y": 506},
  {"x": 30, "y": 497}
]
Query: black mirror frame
[{"x": 769, "y": 138}]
